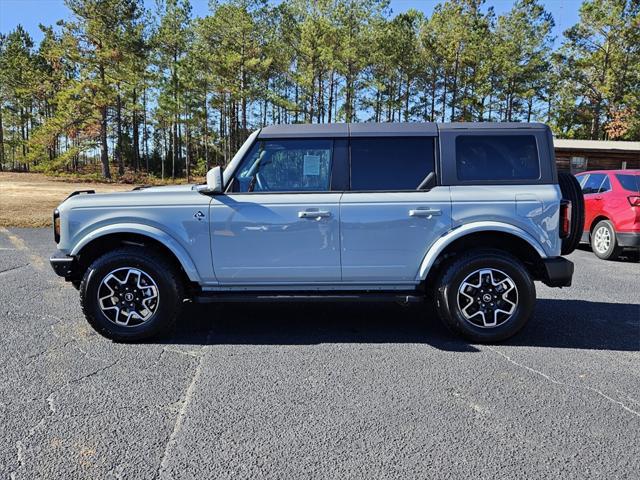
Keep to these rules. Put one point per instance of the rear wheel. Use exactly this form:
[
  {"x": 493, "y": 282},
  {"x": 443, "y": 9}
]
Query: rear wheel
[
  {"x": 131, "y": 294},
  {"x": 604, "y": 242},
  {"x": 485, "y": 296}
]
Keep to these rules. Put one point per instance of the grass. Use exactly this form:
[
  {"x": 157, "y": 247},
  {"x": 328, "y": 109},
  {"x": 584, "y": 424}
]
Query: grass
[{"x": 28, "y": 199}]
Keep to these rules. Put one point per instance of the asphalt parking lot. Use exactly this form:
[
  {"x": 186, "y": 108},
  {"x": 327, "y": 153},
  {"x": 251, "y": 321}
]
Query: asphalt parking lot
[{"x": 318, "y": 391}]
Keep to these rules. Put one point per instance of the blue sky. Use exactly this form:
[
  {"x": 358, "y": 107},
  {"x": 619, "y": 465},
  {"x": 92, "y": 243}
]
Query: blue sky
[{"x": 30, "y": 13}]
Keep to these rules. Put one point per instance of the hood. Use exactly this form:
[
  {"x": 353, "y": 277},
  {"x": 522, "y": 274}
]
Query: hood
[
  {"x": 164, "y": 195},
  {"x": 165, "y": 188}
]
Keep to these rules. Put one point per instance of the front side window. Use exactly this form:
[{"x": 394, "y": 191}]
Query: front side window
[
  {"x": 390, "y": 163},
  {"x": 286, "y": 166},
  {"x": 593, "y": 183},
  {"x": 497, "y": 157}
]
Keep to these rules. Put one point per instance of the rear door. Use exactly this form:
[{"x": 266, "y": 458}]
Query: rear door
[{"x": 387, "y": 225}]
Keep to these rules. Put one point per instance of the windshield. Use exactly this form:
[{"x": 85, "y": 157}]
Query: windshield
[
  {"x": 629, "y": 182},
  {"x": 238, "y": 156}
]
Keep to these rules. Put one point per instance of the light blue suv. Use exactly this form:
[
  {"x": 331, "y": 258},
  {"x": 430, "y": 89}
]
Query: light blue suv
[{"x": 466, "y": 215}]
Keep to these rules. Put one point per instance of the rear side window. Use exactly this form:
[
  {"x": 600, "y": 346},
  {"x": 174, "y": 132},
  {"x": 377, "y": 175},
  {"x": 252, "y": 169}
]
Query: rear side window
[
  {"x": 497, "y": 157},
  {"x": 390, "y": 163},
  {"x": 629, "y": 182},
  {"x": 594, "y": 183}
]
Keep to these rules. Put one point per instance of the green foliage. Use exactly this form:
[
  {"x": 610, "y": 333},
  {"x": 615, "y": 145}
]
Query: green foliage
[
  {"x": 125, "y": 89},
  {"x": 599, "y": 69}
]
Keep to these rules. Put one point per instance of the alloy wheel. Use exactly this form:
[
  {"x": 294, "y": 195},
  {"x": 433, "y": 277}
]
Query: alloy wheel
[
  {"x": 128, "y": 296},
  {"x": 602, "y": 239},
  {"x": 487, "y": 298}
]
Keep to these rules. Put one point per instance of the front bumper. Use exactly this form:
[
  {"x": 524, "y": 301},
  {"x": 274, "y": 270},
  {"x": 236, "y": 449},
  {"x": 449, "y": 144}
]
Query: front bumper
[
  {"x": 557, "y": 272},
  {"x": 629, "y": 239},
  {"x": 63, "y": 264}
]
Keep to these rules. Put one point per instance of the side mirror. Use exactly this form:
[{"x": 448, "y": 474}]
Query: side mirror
[{"x": 214, "y": 180}]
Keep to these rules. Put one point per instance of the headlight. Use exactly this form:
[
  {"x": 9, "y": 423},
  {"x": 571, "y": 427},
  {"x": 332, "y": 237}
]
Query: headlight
[{"x": 56, "y": 225}]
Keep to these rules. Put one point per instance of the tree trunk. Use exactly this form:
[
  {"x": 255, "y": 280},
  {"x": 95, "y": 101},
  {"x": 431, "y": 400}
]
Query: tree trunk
[
  {"x": 166, "y": 151},
  {"x": 205, "y": 130},
  {"x": 320, "y": 115},
  {"x": 174, "y": 147},
  {"x": 22, "y": 134},
  {"x": 433, "y": 98},
  {"x": 406, "y": 100},
  {"x": 145, "y": 135},
  {"x": 176, "y": 109},
  {"x": 119, "y": 158},
  {"x": 104, "y": 150},
  {"x": 444, "y": 97},
  {"x": 454, "y": 87},
  {"x": 1, "y": 142},
  {"x": 136, "y": 136},
  {"x": 348, "y": 93},
  {"x": 331, "y": 88},
  {"x": 297, "y": 106},
  {"x": 187, "y": 160}
]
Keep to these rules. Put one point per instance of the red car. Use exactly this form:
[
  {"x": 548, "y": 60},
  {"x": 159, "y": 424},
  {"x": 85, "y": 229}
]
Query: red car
[{"x": 612, "y": 210}]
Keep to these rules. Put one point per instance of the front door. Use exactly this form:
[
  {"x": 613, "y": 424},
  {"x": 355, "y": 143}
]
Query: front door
[
  {"x": 278, "y": 223},
  {"x": 387, "y": 225}
]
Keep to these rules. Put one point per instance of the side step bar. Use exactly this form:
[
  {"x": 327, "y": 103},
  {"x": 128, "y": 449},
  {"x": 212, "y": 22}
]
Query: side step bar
[{"x": 220, "y": 297}]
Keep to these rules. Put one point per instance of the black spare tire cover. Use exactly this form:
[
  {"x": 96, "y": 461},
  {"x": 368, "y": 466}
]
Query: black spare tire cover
[{"x": 571, "y": 191}]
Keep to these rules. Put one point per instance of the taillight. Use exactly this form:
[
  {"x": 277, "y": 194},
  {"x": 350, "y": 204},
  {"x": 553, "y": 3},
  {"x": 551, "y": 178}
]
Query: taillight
[
  {"x": 634, "y": 200},
  {"x": 56, "y": 225},
  {"x": 565, "y": 218}
]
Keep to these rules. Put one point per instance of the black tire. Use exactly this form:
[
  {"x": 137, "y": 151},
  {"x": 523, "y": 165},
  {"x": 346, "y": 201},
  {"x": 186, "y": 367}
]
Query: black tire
[
  {"x": 169, "y": 290},
  {"x": 571, "y": 191},
  {"x": 613, "y": 251},
  {"x": 453, "y": 276}
]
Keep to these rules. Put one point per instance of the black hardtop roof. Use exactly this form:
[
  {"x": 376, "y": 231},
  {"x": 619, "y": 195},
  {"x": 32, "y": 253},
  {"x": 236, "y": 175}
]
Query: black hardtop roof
[{"x": 370, "y": 129}]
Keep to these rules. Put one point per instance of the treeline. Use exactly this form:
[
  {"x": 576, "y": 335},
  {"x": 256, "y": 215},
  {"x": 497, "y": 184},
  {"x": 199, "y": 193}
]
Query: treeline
[{"x": 126, "y": 88}]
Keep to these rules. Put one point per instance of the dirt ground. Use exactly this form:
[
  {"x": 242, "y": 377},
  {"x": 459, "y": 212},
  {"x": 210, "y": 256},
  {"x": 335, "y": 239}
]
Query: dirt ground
[{"x": 28, "y": 199}]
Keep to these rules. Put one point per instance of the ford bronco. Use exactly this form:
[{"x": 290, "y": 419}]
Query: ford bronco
[{"x": 465, "y": 215}]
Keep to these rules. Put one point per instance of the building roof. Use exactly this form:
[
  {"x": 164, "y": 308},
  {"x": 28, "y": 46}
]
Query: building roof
[{"x": 595, "y": 145}]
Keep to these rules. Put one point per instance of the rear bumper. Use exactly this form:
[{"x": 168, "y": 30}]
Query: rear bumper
[
  {"x": 62, "y": 264},
  {"x": 629, "y": 239},
  {"x": 557, "y": 272}
]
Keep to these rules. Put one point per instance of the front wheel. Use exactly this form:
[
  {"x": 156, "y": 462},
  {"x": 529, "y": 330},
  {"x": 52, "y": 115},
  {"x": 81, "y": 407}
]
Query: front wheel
[
  {"x": 131, "y": 294},
  {"x": 486, "y": 296}
]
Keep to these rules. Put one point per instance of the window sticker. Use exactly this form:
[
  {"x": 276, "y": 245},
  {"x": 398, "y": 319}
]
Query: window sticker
[{"x": 311, "y": 165}]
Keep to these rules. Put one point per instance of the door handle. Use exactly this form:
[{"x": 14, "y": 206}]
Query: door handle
[
  {"x": 317, "y": 214},
  {"x": 425, "y": 212}
]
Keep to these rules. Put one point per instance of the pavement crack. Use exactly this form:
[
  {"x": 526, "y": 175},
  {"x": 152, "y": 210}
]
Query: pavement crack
[
  {"x": 7, "y": 270},
  {"x": 188, "y": 353},
  {"x": 564, "y": 384},
  {"x": 91, "y": 374},
  {"x": 177, "y": 427},
  {"x": 51, "y": 411}
]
